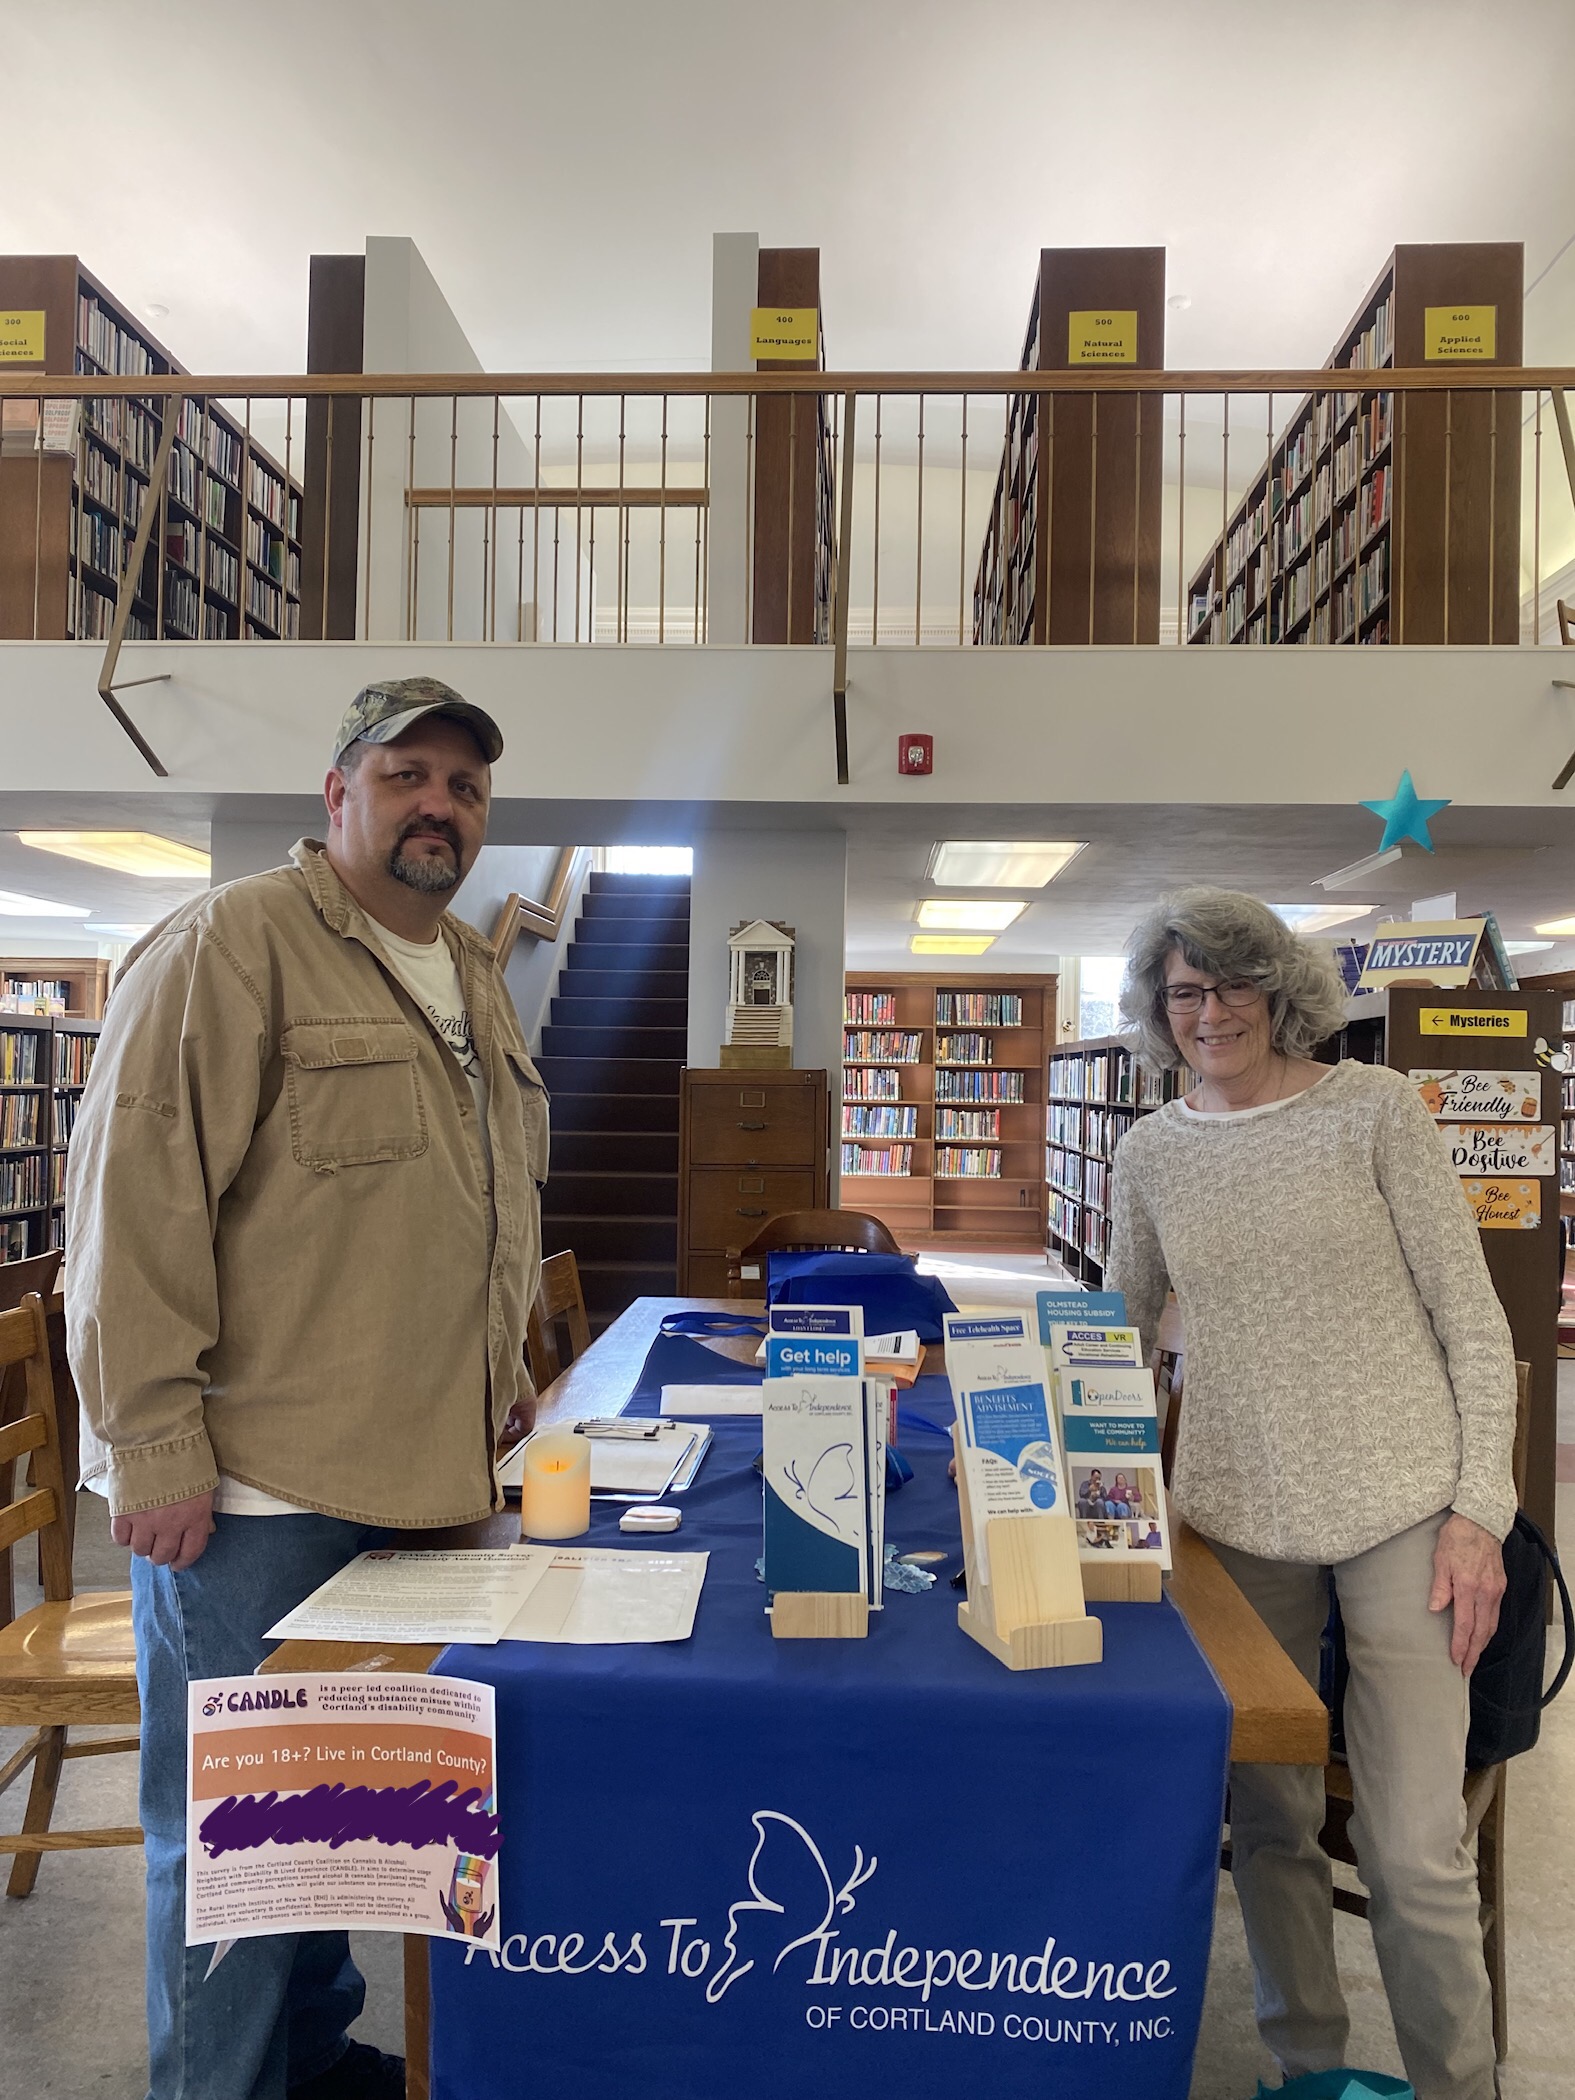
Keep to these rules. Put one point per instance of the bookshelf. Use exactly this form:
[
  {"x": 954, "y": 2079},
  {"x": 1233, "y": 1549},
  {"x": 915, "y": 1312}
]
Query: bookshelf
[
  {"x": 1095, "y": 1091},
  {"x": 1562, "y": 982},
  {"x": 79, "y": 982},
  {"x": 1071, "y": 545},
  {"x": 44, "y": 1061},
  {"x": 1379, "y": 517},
  {"x": 224, "y": 560},
  {"x": 794, "y": 474},
  {"x": 942, "y": 1106}
]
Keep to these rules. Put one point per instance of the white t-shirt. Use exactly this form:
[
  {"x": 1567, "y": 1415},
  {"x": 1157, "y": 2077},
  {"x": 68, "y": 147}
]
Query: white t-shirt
[
  {"x": 1239, "y": 1115},
  {"x": 430, "y": 975}
]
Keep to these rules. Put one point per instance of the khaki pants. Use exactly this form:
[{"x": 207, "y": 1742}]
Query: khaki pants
[{"x": 1405, "y": 1729}]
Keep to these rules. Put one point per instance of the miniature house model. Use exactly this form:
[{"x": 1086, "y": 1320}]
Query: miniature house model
[{"x": 760, "y": 995}]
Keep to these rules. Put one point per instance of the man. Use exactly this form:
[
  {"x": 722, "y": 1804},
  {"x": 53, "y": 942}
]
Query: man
[{"x": 305, "y": 1234}]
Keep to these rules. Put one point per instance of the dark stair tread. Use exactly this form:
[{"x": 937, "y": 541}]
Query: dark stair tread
[
  {"x": 604, "y": 882},
  {"x": 619, "y": 904},
  {"x": 614, "y": 1151},
  {"x": 571, "y": 1011},
  {"x": 613, "y": 1075},
  {"x": 593, "y": 982},
  {"x": 611, "y": 1239},
  {"x": 623, "y": 955},
  {"x": 598, "y": 1112},
  {"x": 558, "y": 1040}
]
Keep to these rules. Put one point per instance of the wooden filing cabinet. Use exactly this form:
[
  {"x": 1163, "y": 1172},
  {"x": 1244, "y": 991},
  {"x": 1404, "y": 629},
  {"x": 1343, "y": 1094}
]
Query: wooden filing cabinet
[{"x": 750, "y": 1145}]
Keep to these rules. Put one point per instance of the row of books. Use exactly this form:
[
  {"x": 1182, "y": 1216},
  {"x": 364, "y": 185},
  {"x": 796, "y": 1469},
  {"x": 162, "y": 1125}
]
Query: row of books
[
  {"x": 57, "y": 1177},
  {"x": 1373, "y": 345},
  {"x": 1083, "y": 1075},
  {"x": 265, "y": 492},
  {"x": 880, "y": 1122},
  {"x": 224, "y": 572},
  {"x": 180, "y": 542},
  {"x": 111, "y": 347},
  {"x": 264, "y": 601},
  {"x": 1064, "y": 1124},
  {"x": 968, "y": 1163},
  {"x": 967, "y": 1122},
  {"x": 874, "y": 1083},
  {"x": 1569, "y": 1015},
  {"x": 98, "y": 542},
  {"x": 126, "y": 428},
  {"x": 968, "y": 1049},
  {"x": 979, "y": 1086},
  {"x": 982, "y": 1009},
  {"x": 1374, "y": 509},
  {"x": 73, "y": 1057},
  {"x": 66, "y": 1106},
  {"x": 19, "y": 1057},
  {"x": 1246, "y": 534},
  {"x": 877, "y": 1159},
  {"x": 21, "y": 1120},
  {"x": 1103, "y": 1130},
  {"x": 13, "y": 1240},
  {"x": 23, "y": 1182},
  {"x": 1096, "y": 1182},
  {"x": 886, "y": 1045},
  {"x": 869, "y": 1009},
  {"x": 1064, "y": 1170},
  {"x": 93, "y": 615},
  {"x": 1066, "y": 1218}
]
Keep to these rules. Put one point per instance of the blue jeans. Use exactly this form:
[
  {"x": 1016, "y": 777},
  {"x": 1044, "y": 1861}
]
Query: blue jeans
[{"x": 274, "y": 2012}]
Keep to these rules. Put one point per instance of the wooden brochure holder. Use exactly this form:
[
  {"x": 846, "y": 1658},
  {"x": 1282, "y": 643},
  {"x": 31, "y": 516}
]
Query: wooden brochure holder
[
  {"x": 1030, "y": 1615},
  {"x": 819, "y": 1615}
]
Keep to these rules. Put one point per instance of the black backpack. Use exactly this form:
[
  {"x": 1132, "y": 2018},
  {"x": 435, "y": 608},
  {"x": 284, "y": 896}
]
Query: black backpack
[{"x": 1507, "y": 1698}]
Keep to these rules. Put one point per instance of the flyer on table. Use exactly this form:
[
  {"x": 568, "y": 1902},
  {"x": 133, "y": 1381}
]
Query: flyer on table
[{"x": 357, "y": 1803}]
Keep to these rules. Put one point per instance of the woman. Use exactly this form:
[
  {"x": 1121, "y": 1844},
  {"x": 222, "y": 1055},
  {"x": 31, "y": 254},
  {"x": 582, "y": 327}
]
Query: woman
[{"x": 1349, "y": 1417}]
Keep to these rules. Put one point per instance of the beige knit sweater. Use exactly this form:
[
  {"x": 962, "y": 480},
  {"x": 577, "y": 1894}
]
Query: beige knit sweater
[{"x": 1348, "y": 1366}]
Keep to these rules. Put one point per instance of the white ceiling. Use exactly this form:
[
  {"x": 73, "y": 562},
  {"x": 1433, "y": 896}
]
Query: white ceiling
[{"x": 563, "y": 168}]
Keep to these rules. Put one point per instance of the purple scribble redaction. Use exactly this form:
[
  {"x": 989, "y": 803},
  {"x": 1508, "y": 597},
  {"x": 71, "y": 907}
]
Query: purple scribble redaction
[{"x": 337, "y": 1815}]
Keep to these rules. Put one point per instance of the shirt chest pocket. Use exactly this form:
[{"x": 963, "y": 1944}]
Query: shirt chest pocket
[
  {"x": 532, "y": 1096},
  {"x": 354, "y": 1092}
]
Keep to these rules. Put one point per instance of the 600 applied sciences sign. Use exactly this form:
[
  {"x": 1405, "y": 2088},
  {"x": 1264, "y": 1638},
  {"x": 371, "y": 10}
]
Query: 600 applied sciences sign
[{"x": 321, "y": 1803}]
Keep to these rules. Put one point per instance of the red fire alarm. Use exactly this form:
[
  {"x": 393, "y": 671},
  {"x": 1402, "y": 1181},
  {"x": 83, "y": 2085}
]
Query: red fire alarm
[{"x": 916, "y": 753}]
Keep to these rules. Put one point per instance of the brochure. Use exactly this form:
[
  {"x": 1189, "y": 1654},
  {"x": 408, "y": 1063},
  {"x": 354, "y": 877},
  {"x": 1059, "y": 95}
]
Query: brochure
[
  {"x": 991, "y": 1349},
  {"x": 1079, "y": 1309},
  {"x": 1094, "y": 1344},
  {"x": 816, "y": 1448},
  {"x": 1110, "y": 1430}
]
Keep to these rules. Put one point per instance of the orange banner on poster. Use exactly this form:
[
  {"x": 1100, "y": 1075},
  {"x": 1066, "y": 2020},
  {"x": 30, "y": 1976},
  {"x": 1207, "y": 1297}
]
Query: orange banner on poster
[{"x": 1505, "y": 1206}]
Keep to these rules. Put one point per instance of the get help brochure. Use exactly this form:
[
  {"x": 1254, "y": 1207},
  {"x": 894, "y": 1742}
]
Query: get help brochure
[
  {"x": 1011, "y": 1449},
  {"x": 823, "y": 1457}
]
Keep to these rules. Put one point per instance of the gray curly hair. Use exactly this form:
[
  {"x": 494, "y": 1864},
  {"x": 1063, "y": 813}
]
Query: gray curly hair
[{"x": 1230, "y": 935}]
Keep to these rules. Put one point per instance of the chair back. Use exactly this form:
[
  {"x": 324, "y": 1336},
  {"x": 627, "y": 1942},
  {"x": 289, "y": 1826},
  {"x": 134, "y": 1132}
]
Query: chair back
[
  {"x": 24, "y": 1340},
  {"x": 1566, "y": 623},
  {"x": 37, "y": 1273},
  {"x": 802, "y": 1231},
  {"x": 558, "y": 1297}
]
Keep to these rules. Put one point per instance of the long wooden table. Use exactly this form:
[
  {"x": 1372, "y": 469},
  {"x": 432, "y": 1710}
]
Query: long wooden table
[{"x": 1277, "y": 1717}]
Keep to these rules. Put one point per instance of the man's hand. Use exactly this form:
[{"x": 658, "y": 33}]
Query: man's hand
[
  {"x": 521, "y": 1421},
  {"x": 1468, "y": 1572},
  {"x": 172, "y": 1536}
]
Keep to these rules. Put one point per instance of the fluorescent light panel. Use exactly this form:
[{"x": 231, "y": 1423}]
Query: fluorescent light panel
[
  {"x": 14, "y": 906},
  {"x": 127, "y": 852},
  {"x": 962, "y": 916},
  {"x": 1561, "y": 929},
  {"x": 116, "y": 932},
  {"x": 1001, "y": 864},
  {"x": 950, "y": 943},
  {"x": 1318, "y": 918}
]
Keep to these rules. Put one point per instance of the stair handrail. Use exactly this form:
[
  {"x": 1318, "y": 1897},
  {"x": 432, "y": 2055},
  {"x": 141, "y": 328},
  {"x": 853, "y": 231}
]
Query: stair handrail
[{"x": 543, "y": 922}]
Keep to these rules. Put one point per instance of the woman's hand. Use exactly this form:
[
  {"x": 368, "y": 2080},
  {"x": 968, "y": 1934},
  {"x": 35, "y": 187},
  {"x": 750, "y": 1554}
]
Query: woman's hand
[{"x": 1468, "y": 1572}]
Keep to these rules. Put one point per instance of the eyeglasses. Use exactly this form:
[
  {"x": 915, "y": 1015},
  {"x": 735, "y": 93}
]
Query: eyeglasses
[{"x": 1189, "y": 998}]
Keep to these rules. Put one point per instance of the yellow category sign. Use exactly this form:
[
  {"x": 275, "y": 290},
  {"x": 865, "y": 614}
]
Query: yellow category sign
[
  {"x": 1460, "y": 334},
  {"x": 1103, "y": 338},
  {"x": 786, "y": 332},
  {"x": 1471, "y": 1020},
  {"x": 21, "y": 336},
  {"x": 1505, "y": 1206}
]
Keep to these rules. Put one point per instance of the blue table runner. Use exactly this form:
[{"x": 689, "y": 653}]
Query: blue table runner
[{"x": 781, "y": 1869}]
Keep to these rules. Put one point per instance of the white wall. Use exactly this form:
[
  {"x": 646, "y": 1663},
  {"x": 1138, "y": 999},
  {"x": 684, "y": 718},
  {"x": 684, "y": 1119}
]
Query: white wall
[
  {"x": 800, "y": 878},
  {"x": 684, "y": 727},
  {"x": 409, "y": 326}
]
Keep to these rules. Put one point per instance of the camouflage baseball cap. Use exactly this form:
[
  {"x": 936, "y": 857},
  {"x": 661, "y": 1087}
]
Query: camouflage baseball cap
[{"x": 380, "y": 713}]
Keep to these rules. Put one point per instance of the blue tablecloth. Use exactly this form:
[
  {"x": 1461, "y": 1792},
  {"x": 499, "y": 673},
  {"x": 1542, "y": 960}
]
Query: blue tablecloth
[{"x": 738, "y": 1866}]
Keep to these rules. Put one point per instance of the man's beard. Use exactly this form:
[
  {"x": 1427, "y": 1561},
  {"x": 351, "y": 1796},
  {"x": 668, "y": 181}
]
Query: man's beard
[{"x": 425, "y": 873}]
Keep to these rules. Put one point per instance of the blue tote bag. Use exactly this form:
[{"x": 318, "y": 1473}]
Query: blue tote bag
[{"x": 895, "y": 1297}]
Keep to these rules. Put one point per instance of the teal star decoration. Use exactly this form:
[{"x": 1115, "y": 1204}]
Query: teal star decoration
[{"x": 1406, "y": 815}]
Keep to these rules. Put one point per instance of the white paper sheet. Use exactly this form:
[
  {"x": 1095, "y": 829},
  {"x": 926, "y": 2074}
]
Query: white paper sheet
[
  {"x": 597, "y": 1596},
  {"x": 644, "y": 1466},
  {"x": 692, "y": 1400},
  {"x": 407, "y": 1597}
]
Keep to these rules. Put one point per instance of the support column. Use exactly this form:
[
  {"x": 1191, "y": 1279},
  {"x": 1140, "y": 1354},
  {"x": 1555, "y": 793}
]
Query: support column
[{"x": 735, "y": 268}]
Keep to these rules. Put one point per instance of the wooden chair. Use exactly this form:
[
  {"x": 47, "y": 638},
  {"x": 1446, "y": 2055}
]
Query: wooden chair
[
  {"x": 1566, "y": 624},
  {"x": 807, "y": 1231},
  {"x": 17, "y": 1278},
  {"x": 70, "y": 1660},
  {"x": 558, "y": 1297}
]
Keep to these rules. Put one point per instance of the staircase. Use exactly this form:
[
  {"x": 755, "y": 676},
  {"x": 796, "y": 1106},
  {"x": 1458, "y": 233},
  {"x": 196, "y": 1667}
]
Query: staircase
[{"x": 611, "y": 1055}]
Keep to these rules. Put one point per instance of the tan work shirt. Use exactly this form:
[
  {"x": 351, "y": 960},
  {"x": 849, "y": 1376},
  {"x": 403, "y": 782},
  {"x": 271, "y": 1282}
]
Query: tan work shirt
[{"x": 286, "y": 1265}]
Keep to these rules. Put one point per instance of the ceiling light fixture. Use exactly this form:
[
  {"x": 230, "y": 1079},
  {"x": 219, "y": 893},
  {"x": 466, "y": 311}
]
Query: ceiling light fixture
[
  {"x": 127, "y": 852},
  {"x": 964, "y": 916},
  {"x": 14, "y": 906},
  {"x": 1318, "y": 918},
  {"x": 1561, "y": 929},
  {"x": 1358, "y": 870},
  {"x": 950, "y": 943},
  {"x": 1001, "y": 864},
  {"x": 1525, "y": 947},
  {"x": 116, "y": 932}
]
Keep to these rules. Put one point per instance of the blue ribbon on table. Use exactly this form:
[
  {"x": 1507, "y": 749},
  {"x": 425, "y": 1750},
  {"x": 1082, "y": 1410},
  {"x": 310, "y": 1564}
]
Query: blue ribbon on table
[{"x": 714, "y": 1326}]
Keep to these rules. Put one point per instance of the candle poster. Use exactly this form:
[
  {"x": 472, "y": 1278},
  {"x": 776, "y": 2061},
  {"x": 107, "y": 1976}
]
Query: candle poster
[{"x": 359, "y": 1803}]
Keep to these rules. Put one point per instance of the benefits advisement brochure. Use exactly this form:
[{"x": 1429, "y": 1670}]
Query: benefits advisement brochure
[{"x": 1011, "y": 1451}]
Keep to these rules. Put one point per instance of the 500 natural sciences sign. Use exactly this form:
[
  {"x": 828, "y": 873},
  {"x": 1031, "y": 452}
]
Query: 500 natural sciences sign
[{"x": 804, "y": 1922}]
